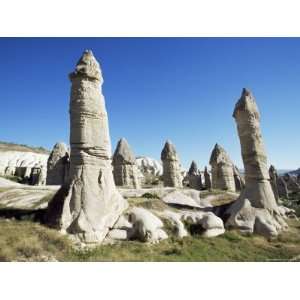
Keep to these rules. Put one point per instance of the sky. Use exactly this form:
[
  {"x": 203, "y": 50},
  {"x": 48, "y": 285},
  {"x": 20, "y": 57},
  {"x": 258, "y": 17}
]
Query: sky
[{"x": 181, "y": 89}]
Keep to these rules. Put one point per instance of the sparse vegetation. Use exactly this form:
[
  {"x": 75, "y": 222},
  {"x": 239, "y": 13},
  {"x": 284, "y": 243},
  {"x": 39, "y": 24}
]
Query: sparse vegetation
[
  {"x": 8, "y": 146},
  {"x": 28, "y": 241}
]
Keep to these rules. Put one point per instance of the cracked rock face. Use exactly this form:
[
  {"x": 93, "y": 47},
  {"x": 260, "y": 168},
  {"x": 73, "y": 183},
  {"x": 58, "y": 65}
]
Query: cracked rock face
[
  {"x": 171, "y": 166},
  {"x": 222, "y": 170},
  {"x": 89, "y": 203},
  {"x": 58, "y": 165},
  {"x": 125, "y": 168},
  {"x": 258, "y": 192}
]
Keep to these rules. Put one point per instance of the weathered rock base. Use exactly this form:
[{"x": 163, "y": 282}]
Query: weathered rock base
[
  {"x": 85, "y": 207},
  {"x": 248, "y": 219}
]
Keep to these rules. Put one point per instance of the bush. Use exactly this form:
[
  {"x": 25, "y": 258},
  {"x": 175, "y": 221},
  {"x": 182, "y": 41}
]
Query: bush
[{"x": 150, "y": 196}]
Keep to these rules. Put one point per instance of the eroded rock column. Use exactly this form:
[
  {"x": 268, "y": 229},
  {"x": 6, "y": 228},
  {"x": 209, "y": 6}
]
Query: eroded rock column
[
  {"x": 207, "y": 179},
  {"x": 221, "y": 170},
  {"x": 171, "y": 166},
  {"x": 58, "y": 165},
  {"x": 256, "y": 209},
  {"x": 194, "y": 177},
  {"x": 125, "y": 169},
  {"x": 273, "y": 179},
  {"x": 89, "y": 204}
]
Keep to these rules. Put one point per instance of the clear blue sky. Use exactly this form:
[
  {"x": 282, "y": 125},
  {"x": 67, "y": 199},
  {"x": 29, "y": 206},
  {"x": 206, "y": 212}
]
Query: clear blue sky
[{"x": 182, "y": 89}]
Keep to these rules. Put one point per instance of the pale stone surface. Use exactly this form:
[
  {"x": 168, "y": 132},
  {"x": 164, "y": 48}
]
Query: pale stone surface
[
  {"x": 242, "y": 216},
  {"x": 146, "y": 226},
  {"x": 171, "y": 166},
  {"x": 210, "y": 224},
  {"x": 194, "y": 177},
  {"x": 149, "y": 166},
  {"x": 178, "y": 198},
  {"x": 89, "y": 204},
  {"x": 58, "y": 165},
  {"x": 175, "y": 219},
  {"x": 207, "y": 179},
  {"x": 273, "y": 179},
  {"x": 118, "y": 234},
  {"x": 11, "y": 160},
  {"x": 124, "y": 167},
  {"x": 221, "y": 170},
  {"x": 238, "y": 179},
  {"x": 258, "y": 188}
]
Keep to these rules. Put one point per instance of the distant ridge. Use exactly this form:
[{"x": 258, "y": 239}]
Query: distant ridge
[{"x": 8, "y": 146}]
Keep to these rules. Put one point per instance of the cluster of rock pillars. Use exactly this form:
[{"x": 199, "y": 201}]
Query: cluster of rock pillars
[{"x": 89, "y": 207}]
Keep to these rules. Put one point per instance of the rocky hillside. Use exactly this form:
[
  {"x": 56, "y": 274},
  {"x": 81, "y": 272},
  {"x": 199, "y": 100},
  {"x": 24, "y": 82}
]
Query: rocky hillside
[{"x": 14, "y": 156}]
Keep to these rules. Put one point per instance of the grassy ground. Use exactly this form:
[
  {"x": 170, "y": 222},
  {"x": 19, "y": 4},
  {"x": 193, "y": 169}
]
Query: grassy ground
[{"x": 28, "y": 241}]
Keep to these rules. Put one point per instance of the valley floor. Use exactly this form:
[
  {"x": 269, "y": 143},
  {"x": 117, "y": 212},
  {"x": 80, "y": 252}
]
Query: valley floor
[{"x": 29, "y": 241}]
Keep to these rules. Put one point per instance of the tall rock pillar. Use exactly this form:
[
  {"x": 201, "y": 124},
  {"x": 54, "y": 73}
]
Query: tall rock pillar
[
  {"x": 258, "y": 188},
  {"x": 221, "y": 170},
  {"x": 89, "y": 203},
  {"x": 125, "y": 168},
  {"x": 171, "y": 166}
]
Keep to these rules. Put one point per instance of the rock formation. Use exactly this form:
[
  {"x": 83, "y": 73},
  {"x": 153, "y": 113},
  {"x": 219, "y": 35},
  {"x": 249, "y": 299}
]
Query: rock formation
[
  {"x": 292, "y": 184},
  {"x": 171, "y": 166},
  {"x": 207, "y": 179},
  {"x": 238, "y": 179},
  {"x": 89, "y": 204},
  {"x": 194, "y": 177},
  {"x": 221, "y": 169},
  {"x": 282, "y": 188},
  {"x": 258, "y": 192},
  {"x": 274, "y": 179},
  {"x": 58, "y": 165},
  {"x": 125, "y": 170}
]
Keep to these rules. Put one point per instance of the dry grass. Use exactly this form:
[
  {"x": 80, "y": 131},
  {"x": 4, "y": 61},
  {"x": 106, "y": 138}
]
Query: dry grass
[{"x": 28, "y": 241}]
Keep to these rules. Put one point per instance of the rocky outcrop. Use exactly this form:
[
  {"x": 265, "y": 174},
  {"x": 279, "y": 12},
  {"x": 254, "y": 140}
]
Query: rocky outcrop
[
  {"x": 17, "y": 163},
  {"x": 207, "y": 179},
  {"x": 283, "y": 191},
  {"x": 258, "y": 190},
  {"x": 58, "y": 165},
  {"x": 274, "y": 179},
  {"x": 194, "y": 177},
  {"x": 171, "y": 166},
  {"x": 222, "y": 170},
  {"x": 291, "y": 182},
  {"x": 146, "y": 226},
  {"x": 124, "y": 167},
  {"x": 89, "y": 204},
  {"x": 149, "y": 166},
  {"x": 238, "y": 179}
]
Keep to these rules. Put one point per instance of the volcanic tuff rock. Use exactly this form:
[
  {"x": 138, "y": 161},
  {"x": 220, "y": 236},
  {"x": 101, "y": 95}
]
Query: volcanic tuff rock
[
  {"x": 221, "y": 169},
  {"x": 171, "y": 166},
  {"x": 207, "y": 179},
  {"x": 125, "y": 170},
  {"x": 89, "y": 204},
  {"x": 257, "y": 189},
  {"x": 194, "y": 177},
  {"x": 58, "y": 165},
  {"x": 273, "y": 179}
]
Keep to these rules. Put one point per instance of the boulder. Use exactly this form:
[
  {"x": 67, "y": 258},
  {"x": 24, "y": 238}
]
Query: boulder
[
  {"x": 146, "y": 226},
  {"x": 175, "y": 220}
]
